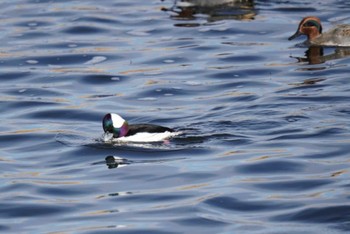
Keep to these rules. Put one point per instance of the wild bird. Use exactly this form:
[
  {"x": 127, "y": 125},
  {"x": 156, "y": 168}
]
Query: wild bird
[
  {"x": 312, "y": 28},
  {"x": 118, "y": 129},
  {"x": 208, "y": 3}
]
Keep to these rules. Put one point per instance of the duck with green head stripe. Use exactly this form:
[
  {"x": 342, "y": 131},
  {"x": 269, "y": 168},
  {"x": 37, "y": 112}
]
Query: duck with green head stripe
[{"x": 312, "y": 28}]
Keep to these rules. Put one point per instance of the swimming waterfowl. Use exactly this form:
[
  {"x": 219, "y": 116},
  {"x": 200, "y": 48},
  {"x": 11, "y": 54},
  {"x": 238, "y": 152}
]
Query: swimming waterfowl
[
  {"x": 312, "y": 28},
  {"x": 208, "y": 3},
  {"x": 118, "y": 129}
]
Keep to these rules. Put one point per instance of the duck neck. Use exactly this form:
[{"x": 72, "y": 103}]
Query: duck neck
[{"x": 313, "y": 34}]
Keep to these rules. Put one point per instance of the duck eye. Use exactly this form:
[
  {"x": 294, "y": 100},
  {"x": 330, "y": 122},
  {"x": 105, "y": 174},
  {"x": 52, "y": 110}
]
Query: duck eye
[{"x": 310, "y": 24}]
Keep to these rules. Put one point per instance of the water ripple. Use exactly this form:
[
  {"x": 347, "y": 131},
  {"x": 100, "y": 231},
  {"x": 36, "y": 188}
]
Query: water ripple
[
  {"x": 265, "y": 121},
  {"x": 230, "y": 203}
]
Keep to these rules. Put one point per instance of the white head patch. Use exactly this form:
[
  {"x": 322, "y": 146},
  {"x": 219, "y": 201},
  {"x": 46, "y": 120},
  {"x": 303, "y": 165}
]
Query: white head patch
[{"x": 117, "y": 120}]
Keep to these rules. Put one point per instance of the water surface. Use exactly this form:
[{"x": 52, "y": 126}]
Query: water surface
[{"x": 266, "y": 123}]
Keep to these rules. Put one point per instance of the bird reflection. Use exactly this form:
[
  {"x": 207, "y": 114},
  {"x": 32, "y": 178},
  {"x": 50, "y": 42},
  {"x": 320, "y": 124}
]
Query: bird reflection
[
  {"x": 114, "y": 162},
  {"x": 216, "y": 10},
  {"x": 117, "y": 162},
  {"x": 316, "y": 55}
]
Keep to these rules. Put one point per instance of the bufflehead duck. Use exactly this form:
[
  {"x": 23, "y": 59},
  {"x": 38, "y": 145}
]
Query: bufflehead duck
[
  {"x": 118, "y": 129},
  {"x": 312, "y": 28}
]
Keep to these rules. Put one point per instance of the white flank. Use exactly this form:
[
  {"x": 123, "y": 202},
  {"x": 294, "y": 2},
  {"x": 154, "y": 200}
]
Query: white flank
[{"x": 147, "y": 137}]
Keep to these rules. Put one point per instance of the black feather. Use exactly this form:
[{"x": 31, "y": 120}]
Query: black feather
[{"x": 151, "y": 128}]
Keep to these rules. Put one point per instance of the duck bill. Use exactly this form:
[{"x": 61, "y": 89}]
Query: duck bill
[
  {"x": 107, "y": 136},
  {"x": 297, "y": 34}
]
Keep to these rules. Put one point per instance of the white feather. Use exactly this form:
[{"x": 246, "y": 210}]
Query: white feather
[
  {"x": 117, "y": 120},
  {"x": 147, "y": 137}
]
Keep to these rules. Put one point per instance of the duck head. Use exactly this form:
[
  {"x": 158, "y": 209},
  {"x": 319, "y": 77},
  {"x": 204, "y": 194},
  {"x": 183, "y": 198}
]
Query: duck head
[
  {"x": 113, "y": 123},
  {"x": 309, "y": 26}
]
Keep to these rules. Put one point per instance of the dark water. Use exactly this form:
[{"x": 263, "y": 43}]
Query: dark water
[{"x": 266, "y": 143}]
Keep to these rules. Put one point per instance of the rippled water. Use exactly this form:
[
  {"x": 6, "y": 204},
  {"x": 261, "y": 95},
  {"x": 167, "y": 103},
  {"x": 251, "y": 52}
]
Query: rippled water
[{"x": 266, "y": 123}]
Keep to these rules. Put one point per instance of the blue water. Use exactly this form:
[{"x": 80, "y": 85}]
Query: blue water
[{"x": 266, "y": 141}]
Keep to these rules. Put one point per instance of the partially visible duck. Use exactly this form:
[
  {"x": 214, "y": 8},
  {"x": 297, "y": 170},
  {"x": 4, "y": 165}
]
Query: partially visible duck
[
  {"x": 207, "y": 3},
  {"x": 312, "y": 28},
  {"x": 117, "y": 129}
]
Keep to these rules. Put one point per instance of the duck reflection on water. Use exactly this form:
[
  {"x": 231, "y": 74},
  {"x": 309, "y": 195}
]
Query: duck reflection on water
[
  {"x": 316, "y": 54},
  {"x": 215, "y": 9},
  {"x": 118, "y": 162},
  {"x": 114, "y": 162}
]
